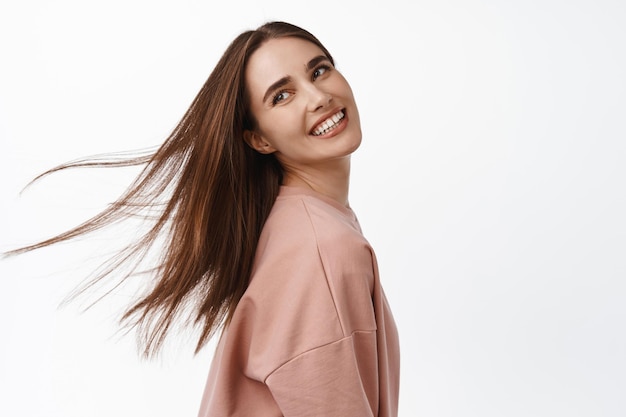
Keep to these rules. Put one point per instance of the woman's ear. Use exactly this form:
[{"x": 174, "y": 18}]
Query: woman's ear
[{"x": 257, "y": 142}]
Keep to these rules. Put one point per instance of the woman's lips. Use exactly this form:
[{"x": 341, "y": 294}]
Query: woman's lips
[{"x": 329, "y": 123}]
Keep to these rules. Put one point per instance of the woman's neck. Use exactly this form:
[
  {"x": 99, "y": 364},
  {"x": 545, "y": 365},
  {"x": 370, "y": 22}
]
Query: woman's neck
[{"x": 331, "y": 180}]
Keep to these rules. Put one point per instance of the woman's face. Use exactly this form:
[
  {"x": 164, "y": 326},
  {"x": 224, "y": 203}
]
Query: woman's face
[{"x": 304, "y": 109}]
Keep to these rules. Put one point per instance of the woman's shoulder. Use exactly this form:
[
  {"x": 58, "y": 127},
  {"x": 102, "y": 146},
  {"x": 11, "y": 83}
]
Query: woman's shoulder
[
  {"x": 306, "y": 210},
  {"x": 304, "y": 227}
]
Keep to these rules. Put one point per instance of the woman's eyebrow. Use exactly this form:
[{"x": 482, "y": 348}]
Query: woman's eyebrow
[
  {"x": 278, "y": 84},
  {"x": 312, "y": 63}
]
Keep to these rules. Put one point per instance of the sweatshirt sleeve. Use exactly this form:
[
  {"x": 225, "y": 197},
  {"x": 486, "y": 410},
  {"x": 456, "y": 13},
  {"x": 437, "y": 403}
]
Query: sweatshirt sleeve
[
  {"x": 314, "y": 330},
  {"x": 338, "y": 379}
]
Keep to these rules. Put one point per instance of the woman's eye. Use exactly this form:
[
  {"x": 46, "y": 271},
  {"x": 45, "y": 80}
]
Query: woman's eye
[
  {"x": 282, "y": 95},
  {"x": 320, "y": 71}
]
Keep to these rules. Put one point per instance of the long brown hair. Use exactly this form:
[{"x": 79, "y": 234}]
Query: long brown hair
[{"x": 211, "y": 194}]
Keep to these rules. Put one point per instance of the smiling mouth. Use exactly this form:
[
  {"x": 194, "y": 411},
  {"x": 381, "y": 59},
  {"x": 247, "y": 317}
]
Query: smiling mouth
[{"x": 329, "y": 124}]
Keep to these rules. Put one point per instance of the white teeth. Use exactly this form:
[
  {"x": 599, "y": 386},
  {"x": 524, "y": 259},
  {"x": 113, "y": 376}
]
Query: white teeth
[{"x": 329, "y": 123}]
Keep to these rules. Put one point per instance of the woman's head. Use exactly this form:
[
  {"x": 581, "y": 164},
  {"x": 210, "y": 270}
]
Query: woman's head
[
  {"x": 303, "y": 108},
  {"x": 236, "y": 91}
]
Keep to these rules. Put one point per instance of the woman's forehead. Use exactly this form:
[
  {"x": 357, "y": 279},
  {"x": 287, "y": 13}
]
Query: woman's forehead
[{"x": 281, "y": 57}]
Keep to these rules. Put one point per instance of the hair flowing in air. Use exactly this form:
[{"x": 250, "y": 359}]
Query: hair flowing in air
[{"x": 206, "y": 194}]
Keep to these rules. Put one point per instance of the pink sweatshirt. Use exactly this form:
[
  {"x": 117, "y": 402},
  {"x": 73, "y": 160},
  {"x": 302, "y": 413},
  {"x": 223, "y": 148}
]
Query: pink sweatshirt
[{"x": 313, "y": 334}]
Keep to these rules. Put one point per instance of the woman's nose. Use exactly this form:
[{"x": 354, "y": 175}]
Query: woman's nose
[{"x": 318, "y": 98}]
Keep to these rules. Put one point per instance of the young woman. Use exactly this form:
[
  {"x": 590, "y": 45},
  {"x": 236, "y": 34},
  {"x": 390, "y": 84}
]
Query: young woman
[{"x": 251, "y": 190}]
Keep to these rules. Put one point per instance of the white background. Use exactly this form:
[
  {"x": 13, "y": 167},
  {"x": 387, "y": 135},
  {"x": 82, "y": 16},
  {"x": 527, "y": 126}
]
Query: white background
[{"x": 490, "y": 182}]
